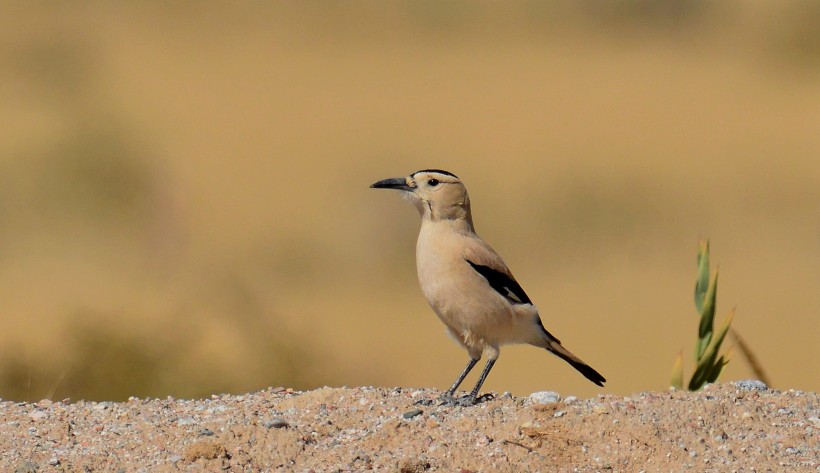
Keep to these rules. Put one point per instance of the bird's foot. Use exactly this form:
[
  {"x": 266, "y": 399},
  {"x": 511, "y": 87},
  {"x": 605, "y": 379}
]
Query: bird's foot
[
  {"x": 443, "y": 400},
  {"x": 447, "y": 400},
  {"x": 485, "y": 397},
  {"x": 464, "y": 401}
]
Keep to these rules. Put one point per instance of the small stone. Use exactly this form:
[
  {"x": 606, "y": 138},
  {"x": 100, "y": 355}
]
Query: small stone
[
  {"x": 544, "y": 397},
  {"x": 559, "y": 414},
  {"x": 751, "y": 385},
  {"x": 276, "y": 423},
  {"x": 413, "y": 413},
  {"x": 206, "y": 432},
  {"x": 570, "y": 399},
  {"x": 185, "y": 421}
]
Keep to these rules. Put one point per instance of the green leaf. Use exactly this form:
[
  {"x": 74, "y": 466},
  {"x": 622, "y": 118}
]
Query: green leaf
[
  {"x": 707, "y": 363},
  {"x": 702, "y": 282},
  {"x": 677, "y": 372},
  {"x": 724, "y": 329},
  {"x": 713, "y": 375},
  {"x": 700, "y": 374},
  {"x": 707, "y": 318}
]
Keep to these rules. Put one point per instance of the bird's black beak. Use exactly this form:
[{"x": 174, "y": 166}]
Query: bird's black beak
[{"x": 398, "y": 183}]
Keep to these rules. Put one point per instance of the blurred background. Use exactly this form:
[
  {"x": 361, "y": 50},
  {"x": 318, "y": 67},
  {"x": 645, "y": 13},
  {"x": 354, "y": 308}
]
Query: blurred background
[{"x": 184, "y": 201}]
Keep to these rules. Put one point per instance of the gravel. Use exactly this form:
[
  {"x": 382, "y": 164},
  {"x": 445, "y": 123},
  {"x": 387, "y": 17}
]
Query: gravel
[{"x": 727, "y": 427}]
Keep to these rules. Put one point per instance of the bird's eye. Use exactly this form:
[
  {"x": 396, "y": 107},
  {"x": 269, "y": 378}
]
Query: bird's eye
[{"x": 432, "y": 182}]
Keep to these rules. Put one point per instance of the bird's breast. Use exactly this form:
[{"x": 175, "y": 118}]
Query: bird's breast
[{"x": 460, "y": 296}]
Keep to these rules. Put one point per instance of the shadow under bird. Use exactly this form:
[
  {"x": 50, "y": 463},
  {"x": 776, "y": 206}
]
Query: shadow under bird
[{"x": 467, "y": 284}]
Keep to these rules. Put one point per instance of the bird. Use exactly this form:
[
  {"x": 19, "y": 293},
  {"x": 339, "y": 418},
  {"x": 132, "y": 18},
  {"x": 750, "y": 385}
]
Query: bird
[{"x": 468, "y": 285}]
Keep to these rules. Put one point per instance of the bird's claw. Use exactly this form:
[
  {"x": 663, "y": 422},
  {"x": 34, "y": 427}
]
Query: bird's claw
[
  {"x": 463, "y": 401},
  {"x": 447, "y": 401},
  {"x": 485, "y": 397}
]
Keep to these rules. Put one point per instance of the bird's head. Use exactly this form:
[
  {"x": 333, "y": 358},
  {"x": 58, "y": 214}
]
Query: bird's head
[{"x": 438, "y": 195}]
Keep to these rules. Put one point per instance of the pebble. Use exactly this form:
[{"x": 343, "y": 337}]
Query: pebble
[
  {"x": 544, "y": 397},
  {"x": 413, "y": 413},
  {"x": 186, "y": 421},
  {"x": 751, "y": 385},
  {"x": 275, "y": 423}
]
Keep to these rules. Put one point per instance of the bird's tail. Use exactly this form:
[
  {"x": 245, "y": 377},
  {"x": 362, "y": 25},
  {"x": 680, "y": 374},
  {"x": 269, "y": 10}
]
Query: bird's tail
[{"x": 555, "y": 346}]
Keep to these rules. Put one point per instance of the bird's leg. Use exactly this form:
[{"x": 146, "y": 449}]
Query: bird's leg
[
  {"x": 461, "y": 377},
  {"x": 447, "y": 398},
  {"x": 472, "y": 398}
]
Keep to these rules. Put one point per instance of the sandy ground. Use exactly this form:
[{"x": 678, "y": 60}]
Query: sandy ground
[{"x": 728, "y": 427}]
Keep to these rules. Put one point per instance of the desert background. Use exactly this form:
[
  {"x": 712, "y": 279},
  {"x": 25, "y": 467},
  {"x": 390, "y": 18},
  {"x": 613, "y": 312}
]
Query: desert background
[{"x": 184, "y": 201}]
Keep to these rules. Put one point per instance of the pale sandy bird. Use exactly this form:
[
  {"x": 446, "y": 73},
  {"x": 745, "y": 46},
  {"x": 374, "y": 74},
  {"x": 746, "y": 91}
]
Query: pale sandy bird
[{"x": 467, "y": 284}]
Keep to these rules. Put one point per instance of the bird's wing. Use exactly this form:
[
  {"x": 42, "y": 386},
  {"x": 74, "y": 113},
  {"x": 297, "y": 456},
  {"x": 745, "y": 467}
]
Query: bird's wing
[{"x": 488, "y": 264}]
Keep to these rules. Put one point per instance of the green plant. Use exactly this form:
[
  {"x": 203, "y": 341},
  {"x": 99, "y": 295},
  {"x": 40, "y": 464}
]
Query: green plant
[{"x": 708, "y": 361}]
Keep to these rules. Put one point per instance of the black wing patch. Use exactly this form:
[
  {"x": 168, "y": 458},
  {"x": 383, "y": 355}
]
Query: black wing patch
[{"x": 503, "y": 284}]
